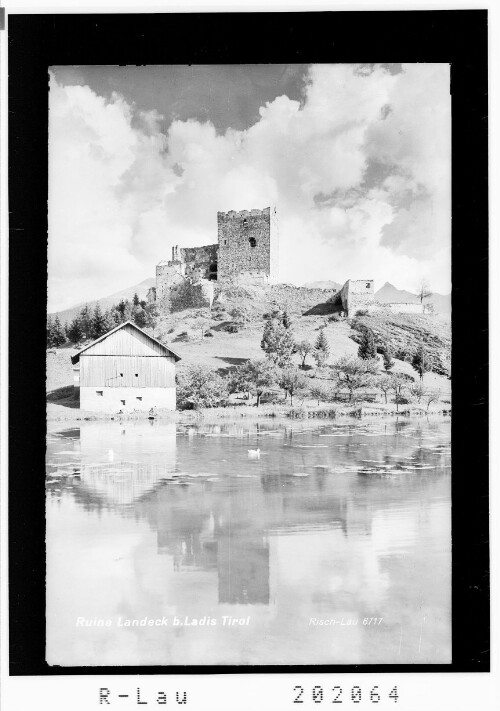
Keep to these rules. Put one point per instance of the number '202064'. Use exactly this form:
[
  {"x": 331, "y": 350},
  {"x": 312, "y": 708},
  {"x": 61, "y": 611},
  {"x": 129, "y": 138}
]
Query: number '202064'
[{"x": 339, "y": 695}]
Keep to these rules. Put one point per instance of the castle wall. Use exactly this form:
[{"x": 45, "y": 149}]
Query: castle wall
[{"x": 248, "y": 246}]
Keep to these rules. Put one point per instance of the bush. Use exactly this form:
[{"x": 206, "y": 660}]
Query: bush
[
  {"x": 232, "y": 328},
  {"x": 209, "y": 334},
  {"x": 198, "y": 386},
  {"x": 362, "y": 312},
  {"x": 334, "y": 317}
]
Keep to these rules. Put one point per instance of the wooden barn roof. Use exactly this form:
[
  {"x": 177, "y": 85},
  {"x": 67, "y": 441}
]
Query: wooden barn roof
[{"x": 168, "y": 351}]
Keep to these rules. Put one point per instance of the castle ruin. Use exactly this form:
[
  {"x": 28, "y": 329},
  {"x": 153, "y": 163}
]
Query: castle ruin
[{"x": 246, "y": 253}]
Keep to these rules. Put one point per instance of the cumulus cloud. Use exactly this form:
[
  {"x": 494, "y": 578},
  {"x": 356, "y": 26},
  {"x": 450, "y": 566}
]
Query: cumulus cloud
[{"x": 359, "y": 171}]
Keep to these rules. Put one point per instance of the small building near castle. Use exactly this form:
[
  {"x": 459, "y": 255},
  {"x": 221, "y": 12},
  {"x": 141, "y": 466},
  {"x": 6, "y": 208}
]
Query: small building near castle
[
  {"x": 125, "y": 370},
  {"x": 359, "y": 295}
]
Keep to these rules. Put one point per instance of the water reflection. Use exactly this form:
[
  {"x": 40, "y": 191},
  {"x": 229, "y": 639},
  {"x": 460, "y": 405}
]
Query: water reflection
[{"x": 334, "y": 522}]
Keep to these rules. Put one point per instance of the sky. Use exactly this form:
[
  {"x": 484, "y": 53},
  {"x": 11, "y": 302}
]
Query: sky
[{"x": 356, "y": 159}]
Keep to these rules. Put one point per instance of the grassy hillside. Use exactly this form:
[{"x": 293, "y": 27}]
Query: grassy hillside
[
  {"x": 309, "y": 310},
  {"x": 404, "y": 333}
]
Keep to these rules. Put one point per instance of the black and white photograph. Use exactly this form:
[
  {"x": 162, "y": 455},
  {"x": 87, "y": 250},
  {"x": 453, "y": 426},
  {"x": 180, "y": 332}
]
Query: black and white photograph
[
  {"x": 248, "y": 365},
  {"x": 253, "y": 437}
]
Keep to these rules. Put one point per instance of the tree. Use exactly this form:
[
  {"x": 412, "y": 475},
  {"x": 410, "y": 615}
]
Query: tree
[
  {"x": 319, "y": 391},
  {"x": 291, "y": 380},
  {"x": 424, "y": 290},
  {"x": 124, "y": 310},
  {"x": 58, "y": 337},
  {"x": 321, "y": 349},
  {"x": 431, "y": 396},
  {"x": 417, "y": 392},
  {"x": 86, "y": 321},
  {"x": 75, "y": 331},
  {"x": 388, "y": 359},
  {"x": 303, "y": 349},
  {"x": 202, "y": 324},
  {"x": 277, "y": 343},
  {"x": 98, "y": 323},
  {"x": 110, "y": 320},
  {"x": 135, "y": 300},
  {"x": 385, "y": 384},
  {"x": 152, "y": 315},
  {"x": 139, "y": 316},
  {"x": 400, "y": 382},
  {"x": 198, "y": 386},
  {"x": 257, "y": 376},
  {"x": 286, "y": 319},
  {"x": 355, "y": 373},
  {"x": 367, "y": 348},
  {"x": 421, "y": 362}
]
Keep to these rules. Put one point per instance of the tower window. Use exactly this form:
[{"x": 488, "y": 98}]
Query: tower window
[
  {"x": 100, "y": 393},
  {"x": 225, "y": 241},
  {"x": 253, "y": 242},
  {"x": 368, "y": 285}
]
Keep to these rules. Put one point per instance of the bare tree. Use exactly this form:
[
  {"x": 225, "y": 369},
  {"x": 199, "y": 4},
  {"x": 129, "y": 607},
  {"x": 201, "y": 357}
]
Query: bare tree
[
  {"x": 431, "y": 396},
  {"x": 424, "y": 290}
]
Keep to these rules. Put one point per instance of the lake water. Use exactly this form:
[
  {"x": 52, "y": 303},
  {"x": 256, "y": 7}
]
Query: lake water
[{"x": 175, "y": 544}]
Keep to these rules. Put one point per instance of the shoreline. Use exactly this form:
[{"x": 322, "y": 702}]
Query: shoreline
[{"x": 56, "y": 414}]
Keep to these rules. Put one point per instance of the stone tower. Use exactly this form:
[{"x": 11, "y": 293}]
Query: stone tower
[{"x": 248, "y": 246}]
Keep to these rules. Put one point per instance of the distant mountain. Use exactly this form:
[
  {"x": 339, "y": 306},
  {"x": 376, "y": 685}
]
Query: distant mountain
[
  {"x": 322, "y": 285},
  {"x": 107, "y": 301},
  {"x": 390, "y": 294}
]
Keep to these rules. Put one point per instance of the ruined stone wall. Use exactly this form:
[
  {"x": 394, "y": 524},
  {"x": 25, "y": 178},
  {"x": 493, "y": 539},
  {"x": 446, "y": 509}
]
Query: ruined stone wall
[
  {"x": 405, "y": 307},
  {"x": 248, "y": 246},
  {"x": 200, "y": 262}
]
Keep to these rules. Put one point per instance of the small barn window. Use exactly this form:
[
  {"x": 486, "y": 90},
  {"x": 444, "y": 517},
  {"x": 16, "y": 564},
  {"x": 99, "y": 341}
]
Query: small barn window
[
  {"x": 245, "y": 223},
  {"x": 121, "y": 375},
  {"x": 225, "y": 241},
  {"x": 139, "y": 398},
  {"x": 100, "y": 393},
  {"x": 122, "y": 402},
  {"x": 253, "y": 242},
  {"x": 137, "y": 375}
]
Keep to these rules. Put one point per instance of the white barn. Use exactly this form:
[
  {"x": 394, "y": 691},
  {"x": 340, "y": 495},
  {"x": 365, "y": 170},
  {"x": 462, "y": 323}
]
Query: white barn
[{"x": 127, "y": 370}]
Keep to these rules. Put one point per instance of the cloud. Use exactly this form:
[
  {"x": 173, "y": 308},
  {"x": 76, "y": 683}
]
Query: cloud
[{"x": 359, "y": 171}]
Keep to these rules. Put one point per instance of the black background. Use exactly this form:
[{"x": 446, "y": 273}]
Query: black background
[{"x": 39, "y": 41}]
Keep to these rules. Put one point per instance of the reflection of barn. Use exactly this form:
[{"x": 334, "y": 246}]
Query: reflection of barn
[
  {"x": 124, "y": 462},
  {"x": 126, "y": 369}
]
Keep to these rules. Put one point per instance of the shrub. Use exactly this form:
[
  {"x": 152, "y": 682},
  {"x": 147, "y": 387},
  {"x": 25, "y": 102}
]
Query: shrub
[
  {"x": 198, "y": 386},
  {"x": 232, "y": 328},
  {"x": 362, "y": 312},
  {"x": 334, "y": 317},
  {"x": 209, "y": 334}
]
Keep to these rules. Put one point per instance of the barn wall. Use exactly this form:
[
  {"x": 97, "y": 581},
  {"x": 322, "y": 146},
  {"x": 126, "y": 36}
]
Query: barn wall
[
  {"x": 126, "y": 371},
  {"x": 111, "y": 399}
]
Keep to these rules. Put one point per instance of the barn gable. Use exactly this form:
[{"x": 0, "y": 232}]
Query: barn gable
[{"x": 127, "y": 339}]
